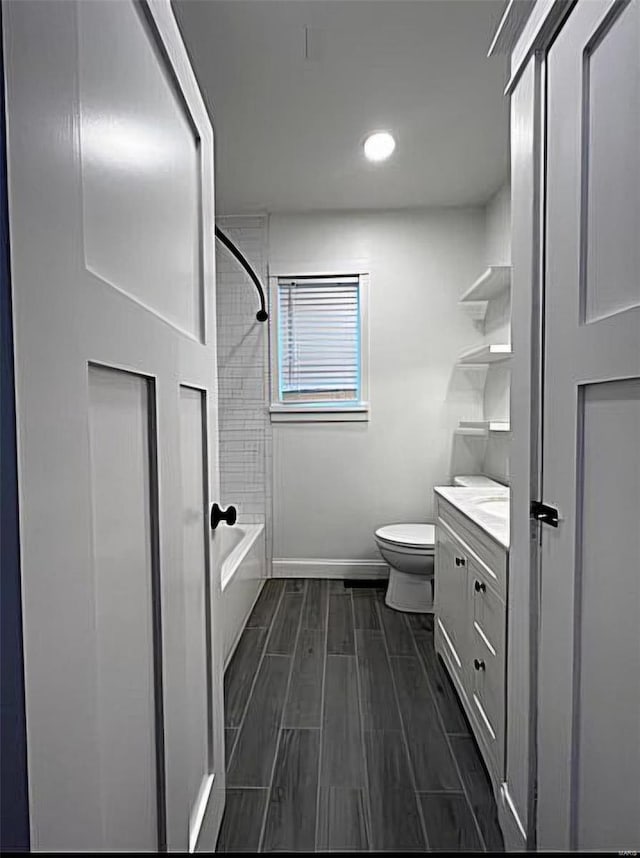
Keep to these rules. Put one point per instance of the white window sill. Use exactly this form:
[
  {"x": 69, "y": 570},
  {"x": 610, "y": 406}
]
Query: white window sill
[{"x": 319, "y": 413}]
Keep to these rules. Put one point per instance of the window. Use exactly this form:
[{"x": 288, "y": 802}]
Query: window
[{"x": 318, "y": 362}]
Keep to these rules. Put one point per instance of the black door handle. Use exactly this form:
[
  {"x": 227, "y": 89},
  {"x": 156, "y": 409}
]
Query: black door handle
[
  {"x": 479, "y": 665},
  {"x": 230, "y": 515},
  {"x": 480, "y": 586},
  {"x": 460, "y": 561}
]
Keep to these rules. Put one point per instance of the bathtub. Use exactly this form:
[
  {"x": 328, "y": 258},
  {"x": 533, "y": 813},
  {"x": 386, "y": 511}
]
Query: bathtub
[{"x": 242, "y": 554}]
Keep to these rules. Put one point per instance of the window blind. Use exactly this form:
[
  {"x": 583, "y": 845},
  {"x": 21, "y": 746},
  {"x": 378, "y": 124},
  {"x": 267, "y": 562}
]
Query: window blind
[{"x": 319, "y": 339}]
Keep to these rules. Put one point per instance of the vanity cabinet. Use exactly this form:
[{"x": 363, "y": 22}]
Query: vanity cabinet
[{"x": 470, "y": 626}]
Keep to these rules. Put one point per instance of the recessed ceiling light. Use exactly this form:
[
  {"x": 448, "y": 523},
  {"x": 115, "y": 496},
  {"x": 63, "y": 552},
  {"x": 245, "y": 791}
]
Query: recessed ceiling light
[{"x": 378, "y": 146}]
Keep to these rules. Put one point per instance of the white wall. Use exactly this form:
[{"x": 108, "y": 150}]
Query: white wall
[
  {"x": 333, "y": 484},
  {"x": 497, "y": 328},
  {"x": 498, "y": 228}
]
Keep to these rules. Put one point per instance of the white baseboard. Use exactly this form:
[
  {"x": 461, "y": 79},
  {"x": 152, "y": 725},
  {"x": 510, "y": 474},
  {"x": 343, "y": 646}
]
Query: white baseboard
[
  {"x": 326, "y": 568},
  {"x": 515, "y": 838}
]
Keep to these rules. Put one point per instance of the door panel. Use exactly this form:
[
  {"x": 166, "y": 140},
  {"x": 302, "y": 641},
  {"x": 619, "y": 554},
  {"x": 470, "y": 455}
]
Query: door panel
[
  {"x": 140, "y": 166},
  {"x": 123, "y": 503},
  {"x": 611, "y": 136},
  {"x": 110, "y": 156},
  {"x": 607, "y": 612},
  {"x": 589, "y": 695}
]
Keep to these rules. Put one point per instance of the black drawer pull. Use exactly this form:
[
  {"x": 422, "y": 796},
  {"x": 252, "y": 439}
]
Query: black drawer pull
[
  {"x": 480, "y": 587},
  {"x": 460, "y": 561},
  {"x": 479, "y": 665}
]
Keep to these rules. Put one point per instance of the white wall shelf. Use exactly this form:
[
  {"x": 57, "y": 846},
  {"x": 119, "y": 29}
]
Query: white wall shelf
[
  {"x": 496, "y": 279},
  {"x": 479, "y": 429},
  {"x": 486, "y": 354},
  {"x": 511, "y": 25},
  {"x": 483, "y": 428}
]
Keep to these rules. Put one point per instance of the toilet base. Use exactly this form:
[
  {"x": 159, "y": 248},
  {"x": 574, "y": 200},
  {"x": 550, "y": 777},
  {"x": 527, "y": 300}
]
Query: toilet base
[{"x": 411, "y": 593}]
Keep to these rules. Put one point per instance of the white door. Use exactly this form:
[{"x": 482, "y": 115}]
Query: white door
[
  {"x": 589, "y": 700},
  {"x": 110, "y": 157}
]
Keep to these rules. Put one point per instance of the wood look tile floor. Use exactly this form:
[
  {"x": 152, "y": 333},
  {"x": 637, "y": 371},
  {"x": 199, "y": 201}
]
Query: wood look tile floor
[{"x": 344, "y": 733}]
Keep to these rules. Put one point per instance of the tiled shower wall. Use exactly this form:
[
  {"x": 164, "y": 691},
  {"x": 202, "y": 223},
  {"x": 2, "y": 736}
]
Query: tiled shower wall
[{"x": 243, "y": 361}]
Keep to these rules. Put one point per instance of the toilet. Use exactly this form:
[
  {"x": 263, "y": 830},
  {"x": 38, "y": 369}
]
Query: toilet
[{"x": 409, "y": 551}]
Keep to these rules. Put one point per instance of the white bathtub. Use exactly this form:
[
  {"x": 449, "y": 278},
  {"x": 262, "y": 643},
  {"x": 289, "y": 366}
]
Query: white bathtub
[{"x": 242, "y": 554}]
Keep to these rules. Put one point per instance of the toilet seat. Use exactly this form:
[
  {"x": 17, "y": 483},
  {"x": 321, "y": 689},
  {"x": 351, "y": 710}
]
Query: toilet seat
[{"x": 419, "y": 537}]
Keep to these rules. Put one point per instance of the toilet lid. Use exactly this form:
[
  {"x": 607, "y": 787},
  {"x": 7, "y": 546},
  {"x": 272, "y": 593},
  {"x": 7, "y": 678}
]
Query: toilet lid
[{"x": 416, "y": 535}]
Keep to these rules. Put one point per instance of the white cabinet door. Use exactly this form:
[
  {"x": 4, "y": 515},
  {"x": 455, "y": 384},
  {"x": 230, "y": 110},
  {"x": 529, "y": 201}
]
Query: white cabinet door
[
  {"x": 589, "y": 695},
  {"x": 110, "y": 162},
  {"x": 487, "y": 623},
  {"x": 451, "y": 596}
]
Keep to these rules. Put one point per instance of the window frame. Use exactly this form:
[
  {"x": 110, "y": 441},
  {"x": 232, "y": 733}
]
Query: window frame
[{"x": 321, "y": 412}]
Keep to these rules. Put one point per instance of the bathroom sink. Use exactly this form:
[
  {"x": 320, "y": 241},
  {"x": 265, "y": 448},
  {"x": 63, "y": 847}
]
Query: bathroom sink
[{"x": 494, "y": 506}]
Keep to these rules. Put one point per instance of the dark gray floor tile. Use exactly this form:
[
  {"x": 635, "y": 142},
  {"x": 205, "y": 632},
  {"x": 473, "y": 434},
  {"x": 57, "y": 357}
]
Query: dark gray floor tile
[
  {"x": 352, "y": 799},
  {"x": 314, "y": 614},
  {"x": 340, "y": 629},
  {"x": 282, "y": 638},
  {"x": 304, "y": 703},
  {"x": 433, "y": 764},
  {"x": 242, "y": 820},
  {"x": 266, "y": 605},
  {"x": 479, "y": 791},
  {"x": 379, "y": 707},
  {"x": 449, "y": 823},
  {"x": 365, "y": 611},
  {"x": 443, "y": 691},
  {"x": 295, "y": 585},
  {"x": 239, "y": 674},
  {"x": 256, "y": 745},
  {"x": 342, "y": 820},
  {"x": 396, "y": 630},
  {"x": 342, "y": 755},
  {"x": 230, "y": 736},
  {"x": 421, "y": 623},
  {"x": 291, "y": 816},
  {"x": 395, "y": 819}
]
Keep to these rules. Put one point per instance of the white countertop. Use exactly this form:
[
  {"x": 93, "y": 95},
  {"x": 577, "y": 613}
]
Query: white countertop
[{"x": 467, "y": 499}]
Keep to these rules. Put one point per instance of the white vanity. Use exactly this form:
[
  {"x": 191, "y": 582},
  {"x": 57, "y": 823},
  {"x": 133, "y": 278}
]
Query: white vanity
[{"x": 471, "y": 579}]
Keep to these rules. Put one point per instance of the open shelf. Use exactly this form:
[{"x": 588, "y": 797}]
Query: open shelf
[
  {"x": 483, "y": 428},
  {"x": 475, "y": 428},
  {"x": 510, "y": 27},
  {"x": 486, "y": 354},
  {"x": 496, "y": 279}
]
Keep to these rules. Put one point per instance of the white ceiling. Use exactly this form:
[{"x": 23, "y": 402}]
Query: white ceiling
[{"x": 294, "y": 86}]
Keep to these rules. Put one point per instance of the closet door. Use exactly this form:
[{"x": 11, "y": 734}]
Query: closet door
[
  {"x": 589, "y": 698},
  {"x": 110, "y": 157}
]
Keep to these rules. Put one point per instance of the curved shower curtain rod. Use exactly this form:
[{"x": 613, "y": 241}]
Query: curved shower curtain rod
[{"x": 262, "y": 314}]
